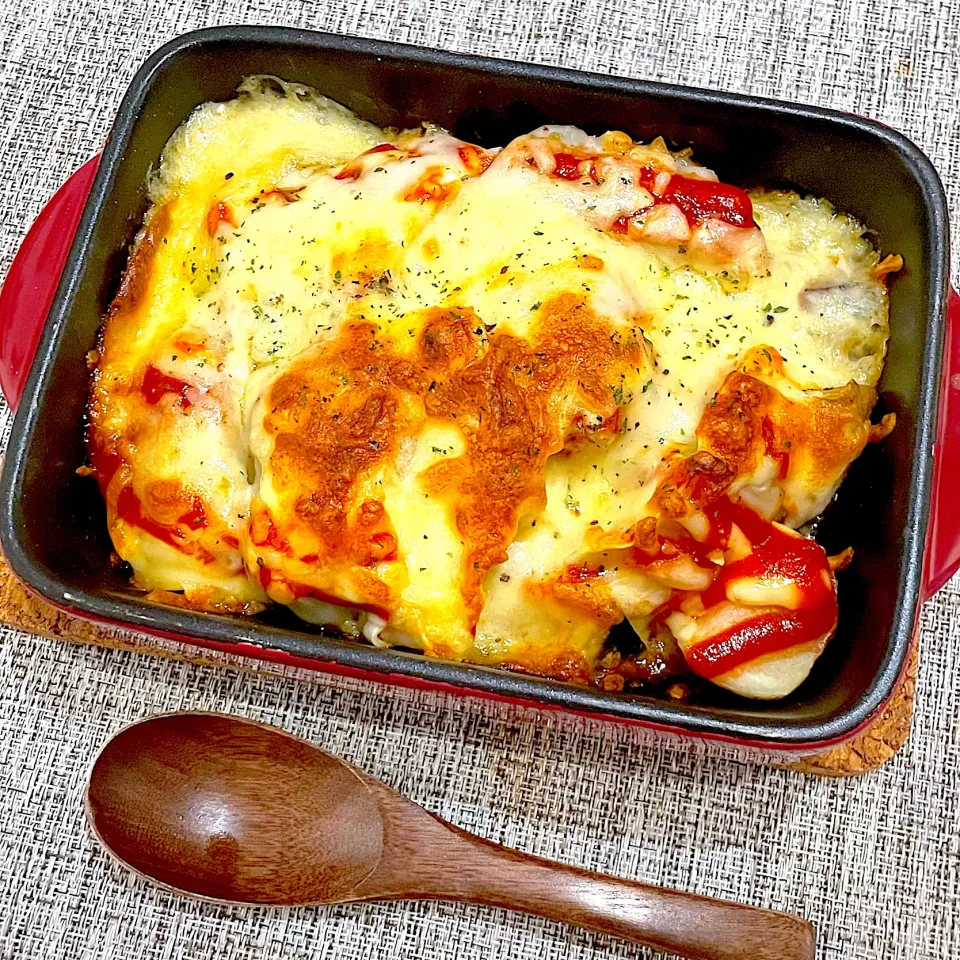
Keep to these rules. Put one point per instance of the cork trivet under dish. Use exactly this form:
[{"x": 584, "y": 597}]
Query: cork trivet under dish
[{"x": 20, "y": 608}]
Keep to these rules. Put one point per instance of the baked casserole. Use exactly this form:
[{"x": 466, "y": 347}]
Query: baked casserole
[{"x": 488, "y": 404}]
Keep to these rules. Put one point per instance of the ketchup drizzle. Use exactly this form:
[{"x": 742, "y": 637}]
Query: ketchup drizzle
[{"x": 776, "y": 554}]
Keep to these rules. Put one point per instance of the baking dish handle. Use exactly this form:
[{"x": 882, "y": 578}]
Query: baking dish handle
[
  {"x": 33, "y": 279},
  {"x": 942, "y": 558}
]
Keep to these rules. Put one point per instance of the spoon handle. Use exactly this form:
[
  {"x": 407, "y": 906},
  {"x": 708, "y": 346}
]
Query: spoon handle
[
  {"x": 433, "y": 859},
  {"x": 697, "y": 927}
]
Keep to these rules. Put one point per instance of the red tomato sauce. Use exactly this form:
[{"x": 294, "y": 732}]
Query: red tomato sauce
[
  {"x": 195, "y": 518},
  {"x": 130, "y": 510},
  {"x": 273, "y": 539},
  {"x": 577, "y": 574},
  {"x": 157, "y": 385},
  {"x": 430, "y": 187},
  {"x": 568, "y": 167},
  {"x": 609, "y": 424},
  {"x": 106, "y": 465},
  {"x": 474, "y": 159},
  {"x": 301, "y": 590},
  {"x": 648, "y": 177},
  {"x": 384, "y": 547},
  {"x": 354, "y": 168},
  {"x": 671, "y": 547},
  {"x": 219, "y": 213},
  {"x": 671, "y": 606}
]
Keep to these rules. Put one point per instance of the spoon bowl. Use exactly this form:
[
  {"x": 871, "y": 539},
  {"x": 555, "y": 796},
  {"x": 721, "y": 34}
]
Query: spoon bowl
[
  {"x": 247, "y": 813},
  {"x": 231, "y": 810}
]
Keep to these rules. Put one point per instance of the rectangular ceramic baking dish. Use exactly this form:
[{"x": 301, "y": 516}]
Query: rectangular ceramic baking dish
[{"x": 52, "y": 526}]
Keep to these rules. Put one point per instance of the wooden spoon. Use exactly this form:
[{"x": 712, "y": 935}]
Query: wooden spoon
[{"x": 226, "y": 809}]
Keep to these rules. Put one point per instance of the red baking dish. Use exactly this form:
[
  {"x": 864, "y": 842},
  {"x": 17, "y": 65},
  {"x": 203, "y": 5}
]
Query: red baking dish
[{"x": 894, "y": 508}]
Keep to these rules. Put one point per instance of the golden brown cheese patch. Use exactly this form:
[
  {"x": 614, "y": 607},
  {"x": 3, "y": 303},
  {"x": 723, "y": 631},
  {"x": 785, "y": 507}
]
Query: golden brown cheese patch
[
  {"x": 340, "y": 413},
  {"x": 129, "y": 305},
  {"x": 809, "y": 439},
  {"x": 334, "y": 415},
  {"x": 589, "y": 597}
]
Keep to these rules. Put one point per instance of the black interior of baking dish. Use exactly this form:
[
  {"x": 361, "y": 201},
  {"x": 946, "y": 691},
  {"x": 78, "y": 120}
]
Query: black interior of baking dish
[{"x": 53, "y": 526}]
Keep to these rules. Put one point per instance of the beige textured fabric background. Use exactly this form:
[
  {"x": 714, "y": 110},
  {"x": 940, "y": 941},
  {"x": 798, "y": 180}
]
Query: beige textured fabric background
[{"x": 875, "y": 862}]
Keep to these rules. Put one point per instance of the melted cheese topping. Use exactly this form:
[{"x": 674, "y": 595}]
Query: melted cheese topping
[{"x": 405, "y": 385}]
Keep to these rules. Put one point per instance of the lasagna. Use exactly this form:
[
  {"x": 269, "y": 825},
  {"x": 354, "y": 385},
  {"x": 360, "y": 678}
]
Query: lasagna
[{"x": 487, "y": 404}]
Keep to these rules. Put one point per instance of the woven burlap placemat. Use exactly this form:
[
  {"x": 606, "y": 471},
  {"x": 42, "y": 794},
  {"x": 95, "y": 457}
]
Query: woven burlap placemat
[
  {"x": 873, "y": 861},
  {"x": 22, "y": 609}
]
